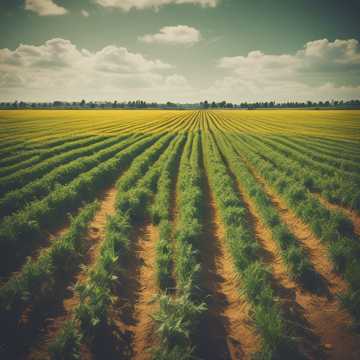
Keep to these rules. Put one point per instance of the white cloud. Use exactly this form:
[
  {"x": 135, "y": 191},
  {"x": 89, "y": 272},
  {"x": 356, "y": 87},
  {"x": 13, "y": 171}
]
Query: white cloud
[
  {"x": 114, "y": 59},
  {"x": 85, "y": 13},
  {"x": 177, "y": 81},
  {"x": 321, "y": 68},
  {"x": 173, "y": 35},
  {"x": 319, "y": 56},
  {"x": 127, "y": 5},
  {"x": 58, "y": 69},
  {"x": 44, "y": 7}
]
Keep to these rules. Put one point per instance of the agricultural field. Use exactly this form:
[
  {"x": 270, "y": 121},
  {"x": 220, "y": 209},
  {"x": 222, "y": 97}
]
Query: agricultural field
[{"x": 174, "y": 235}]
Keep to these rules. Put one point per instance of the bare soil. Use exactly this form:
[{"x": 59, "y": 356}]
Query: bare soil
[
  {"x": 146, "y": 303},
  {"x": 94, "y": 239},
  {"x": 137, "y": 291},
  {"x": 227, "y": 331},
  {"x": 321, "y": 311},
  {"x": 351, "y": 214}
]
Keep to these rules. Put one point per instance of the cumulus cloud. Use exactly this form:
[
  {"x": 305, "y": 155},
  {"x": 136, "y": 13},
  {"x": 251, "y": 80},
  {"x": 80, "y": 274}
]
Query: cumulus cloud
[
  {"x": 119, "y": 60},
  {"x": 321, "y": 65},
  {"x": 177, "y": 81},
  {"x": 44, "y": 7},
  {"x": 173, "y": 35},
  {"x": 127, "y": 5},
  {"x": 59, "y": 69}
]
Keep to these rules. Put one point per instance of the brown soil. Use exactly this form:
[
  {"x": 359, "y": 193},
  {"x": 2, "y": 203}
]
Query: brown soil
[
  {"x": 351, "y": 214},
  {"x": 146, "y": 303},
  {"x": 137, "y": 293},
  {"x": 226, "y": 332},
  {"x": 94, "y": 239},
  {"x": 326, "y": 324}
]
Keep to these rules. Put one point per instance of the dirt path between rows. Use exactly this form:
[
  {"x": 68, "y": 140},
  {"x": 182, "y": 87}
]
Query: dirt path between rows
[
  {"x": 137, "y": 293},
  {"x": 351, "y": 214},
  {"x": 146, "y": 303},
  {"x": 94, "y": 238},
  {"x": 227, "y": 331},
  {"x": 327, "y": 326}
]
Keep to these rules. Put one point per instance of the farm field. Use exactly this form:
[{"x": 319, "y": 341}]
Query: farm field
[{"x": 153, "y": 234}]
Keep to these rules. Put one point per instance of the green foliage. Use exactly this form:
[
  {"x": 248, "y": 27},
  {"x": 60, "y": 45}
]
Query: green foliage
[
  {"x": 255, "y": 277},
  {"x": 164, "y": 255},
  {"x": 176, "y": 323},
  {"x": 332, "y": 227},
  {"x": 291, "y": 251},
  {"x": 62, "y": 173},
  {"x": 53, "y": 208},
  {"x": 67, "y": 344},
  {"x": 177, "y": 318},
  {"x": 37, "y": 280},
  {"x": 96, "y": 293}
]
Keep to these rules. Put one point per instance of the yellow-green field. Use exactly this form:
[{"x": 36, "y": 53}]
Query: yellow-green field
[
  {"x": 154, "y": 234},
  {"x": 41, "y": 124}
]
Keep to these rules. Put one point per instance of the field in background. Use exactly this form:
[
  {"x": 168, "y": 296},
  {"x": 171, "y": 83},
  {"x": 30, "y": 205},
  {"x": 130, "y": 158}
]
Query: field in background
[{"x": 171, "y": 234}]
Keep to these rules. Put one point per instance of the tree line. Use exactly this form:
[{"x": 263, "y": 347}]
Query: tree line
[{"x": 141, "y": 104}]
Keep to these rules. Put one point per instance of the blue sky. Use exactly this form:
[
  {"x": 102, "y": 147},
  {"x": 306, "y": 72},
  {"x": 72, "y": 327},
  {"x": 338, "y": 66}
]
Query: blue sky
[{"x": 179, "y": 50}]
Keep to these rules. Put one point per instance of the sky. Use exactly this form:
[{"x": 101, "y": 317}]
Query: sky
[{"x": 179, "y": 50}]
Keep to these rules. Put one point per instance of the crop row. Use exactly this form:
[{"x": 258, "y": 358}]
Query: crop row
[
  {"x": 22, "y": 177},
  {"x": 254, "y": 276},
  {"x": 38, "y": 282},
  {"x": 178, "y": 316},
  {"x": 21, "y": 152},
  {"x": 38, "y": 157},
  {"x": 305, "y": 160},
  {"x": 30, "y": 223},
  {"x": 97, "y": 293},
  {"x": 15, "y": 200},
  {"x": 161, "y": 216},
  {"x": 331, "y": 227},
  {"x": 332, "y": 147},
  {"x": 292, "y": 253},
  {"x": 336, "y": 189},
  {"x": 330, "y": 159},
  {"x": 304, "y": 157}
]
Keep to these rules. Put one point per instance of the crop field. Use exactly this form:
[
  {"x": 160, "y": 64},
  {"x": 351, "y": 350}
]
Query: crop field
[{"x": 173, "y": 235}]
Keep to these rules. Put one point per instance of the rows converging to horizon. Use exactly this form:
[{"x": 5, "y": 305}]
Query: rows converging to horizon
[{"x": 170, "y": 234}]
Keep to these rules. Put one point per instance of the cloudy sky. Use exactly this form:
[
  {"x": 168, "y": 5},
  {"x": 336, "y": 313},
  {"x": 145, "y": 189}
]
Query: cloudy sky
[{"x": 179, "y": 50}]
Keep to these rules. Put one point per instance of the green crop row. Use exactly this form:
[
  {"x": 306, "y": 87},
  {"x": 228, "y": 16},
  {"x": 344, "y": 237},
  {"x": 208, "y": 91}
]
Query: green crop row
[
  {"x": 38, "y": 282},
  {"x": 161, "y": 216},
  {"x": 345, "y": 166},
  {"x": 24, "y": 176},
  {"x": 254, "y": 276},
  {"x": 337, "y": 189},
  {"x": 15, "y": 200},
  {"x": 29, "y": 224},
  {"x": 178, "y": 316},
  {"x": 331, "y": 227},
  {"x": 292, "y": 253},
  {"x": 43, "y": 155},
  {"x": 334, "y": 147},
  {"x": 91, "y": 316}
]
